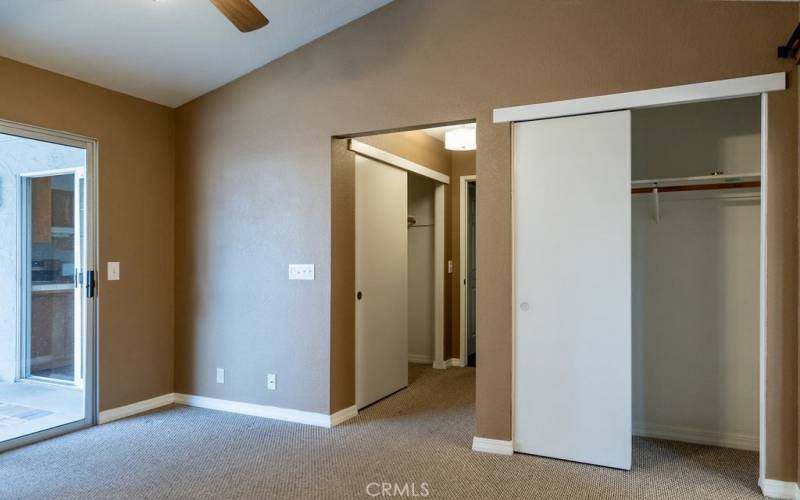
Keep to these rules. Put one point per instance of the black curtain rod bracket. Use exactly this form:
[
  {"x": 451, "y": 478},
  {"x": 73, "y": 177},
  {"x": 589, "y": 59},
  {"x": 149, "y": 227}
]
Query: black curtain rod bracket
[{"x": 792, "y": 47}]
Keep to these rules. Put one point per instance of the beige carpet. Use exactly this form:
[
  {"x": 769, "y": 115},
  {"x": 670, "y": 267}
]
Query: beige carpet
[{"x": 421, "y": 435}]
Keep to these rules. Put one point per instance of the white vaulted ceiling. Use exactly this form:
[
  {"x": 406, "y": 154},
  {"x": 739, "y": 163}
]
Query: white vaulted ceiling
[{"x": 166, "y": 51}]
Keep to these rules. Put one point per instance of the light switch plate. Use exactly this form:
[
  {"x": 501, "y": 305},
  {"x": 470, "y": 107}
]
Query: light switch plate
[
  {"x": 113, "y": 271},
  {"x": 220, "y": 375},
  {"x": 301, "y": 271},
  {"x": 271, "y": 382},
  {"x": 449, "y": 267}
]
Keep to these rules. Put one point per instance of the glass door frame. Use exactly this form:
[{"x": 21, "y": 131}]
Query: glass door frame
[{"x": 90, "y": 257}]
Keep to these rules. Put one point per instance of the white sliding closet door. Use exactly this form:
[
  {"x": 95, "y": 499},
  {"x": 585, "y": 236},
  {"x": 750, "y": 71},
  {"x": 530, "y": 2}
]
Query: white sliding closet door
[
  {"x": 381, "y": 280},
  {"x": 572, "y": 374}
]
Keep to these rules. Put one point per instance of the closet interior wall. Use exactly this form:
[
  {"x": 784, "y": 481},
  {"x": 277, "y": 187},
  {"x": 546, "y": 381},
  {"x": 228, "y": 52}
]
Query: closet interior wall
[
  {"x": 421, "y": 209},
  {"x": 696, "y": 276}
]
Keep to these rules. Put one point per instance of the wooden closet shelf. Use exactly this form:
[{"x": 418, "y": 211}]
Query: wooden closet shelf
[{"x": 697, "y": 187}]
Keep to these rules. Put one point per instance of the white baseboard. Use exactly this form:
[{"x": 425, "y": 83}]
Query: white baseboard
[
  {"x": 343, "y": 415},
  {"x": 779, "y": 489},
  {"x": 273, "y": 412},
  {"x": 132, "y": 409},
  {"x": 496, "y": 446},
  {"x": 455, "y": 362},
  {"x": 448, "y": 363},
  {"x": 420, "y": 358},
  {"x": 697, "y": 436}
]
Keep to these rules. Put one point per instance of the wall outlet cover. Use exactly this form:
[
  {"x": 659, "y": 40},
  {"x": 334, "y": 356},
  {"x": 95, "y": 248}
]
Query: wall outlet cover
[
  {"x": 301, "y": 271},
  {"x": 220, "y": 375},
  {"x": 271, "y": 382},
  {"x": 113, "y": 271}
]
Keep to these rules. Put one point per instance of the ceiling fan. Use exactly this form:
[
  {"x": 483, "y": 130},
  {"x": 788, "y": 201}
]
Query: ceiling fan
[{"x": 242, "y": 13}]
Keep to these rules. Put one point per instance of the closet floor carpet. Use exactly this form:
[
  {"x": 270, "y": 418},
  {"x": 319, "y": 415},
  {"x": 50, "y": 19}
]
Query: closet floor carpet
[{"x": 419, "y": 439}]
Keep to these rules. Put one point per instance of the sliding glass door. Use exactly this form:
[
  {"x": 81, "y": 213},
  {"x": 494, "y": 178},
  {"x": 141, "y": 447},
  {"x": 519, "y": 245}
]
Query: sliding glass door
[{"x": 46, "y": 297}]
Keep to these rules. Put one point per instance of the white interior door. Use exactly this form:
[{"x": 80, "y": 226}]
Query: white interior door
[
  {"x": 572, "y": 351},
  {"x": 381, "y": 280}
]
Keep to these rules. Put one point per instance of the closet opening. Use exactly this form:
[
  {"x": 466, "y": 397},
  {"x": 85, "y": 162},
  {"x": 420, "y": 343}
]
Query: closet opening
[
  {"x": 696, "y": 218},
  {"x": 640, "y": 283},
  {"x": 407, "y": 242}
]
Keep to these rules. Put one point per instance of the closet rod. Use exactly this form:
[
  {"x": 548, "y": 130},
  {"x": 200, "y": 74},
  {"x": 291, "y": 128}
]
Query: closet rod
[{"x": 697, "y": 187}]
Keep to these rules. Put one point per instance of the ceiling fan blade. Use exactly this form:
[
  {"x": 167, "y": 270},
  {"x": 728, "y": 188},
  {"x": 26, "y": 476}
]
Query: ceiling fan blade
[{"x": 242, "y": 13}]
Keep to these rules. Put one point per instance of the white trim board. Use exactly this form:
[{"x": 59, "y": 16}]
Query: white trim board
[
  {"x": 773, "y": 488},
  {"x": 135, "y": 408},
  {"x": 452, "y": 362},
  {"x": 762, "y": 300},
  {"x": 343, "y": 415},
  {"x": 396, "y": 161},
  {"x": 273, "y": 412},
  {"x": 496, "y": 446},
  {"x": 680, "y": 94},
  {"x": 697, "y": 436}
]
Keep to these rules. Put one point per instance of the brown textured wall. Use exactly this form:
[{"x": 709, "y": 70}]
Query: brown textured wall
[
  {"x": 136, "y": 223},
  {"x": 782, "y": 304},
  {"x": 254, "y": 170}
]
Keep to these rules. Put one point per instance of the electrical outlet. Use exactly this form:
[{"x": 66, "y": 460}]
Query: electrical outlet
[
  {"x": 301, "y": 271},
  {"x": 271, "y": 382},
  {"x": 113, "y": 271},
  {"x": 449, "y": 267},
  {"x": 220, "y": 375}
]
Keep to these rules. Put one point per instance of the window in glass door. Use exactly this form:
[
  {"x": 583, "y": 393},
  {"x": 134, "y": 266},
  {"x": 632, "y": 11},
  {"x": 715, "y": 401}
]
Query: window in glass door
[{"x": 53, "y": 340}]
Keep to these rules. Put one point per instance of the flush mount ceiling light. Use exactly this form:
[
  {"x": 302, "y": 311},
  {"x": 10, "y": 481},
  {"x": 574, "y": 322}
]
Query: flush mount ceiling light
[{"x": 461, "y": 138}]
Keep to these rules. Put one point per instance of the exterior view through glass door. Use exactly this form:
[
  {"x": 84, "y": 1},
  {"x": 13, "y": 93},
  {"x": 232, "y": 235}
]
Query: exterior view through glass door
[{"x": 46, "y": 306}]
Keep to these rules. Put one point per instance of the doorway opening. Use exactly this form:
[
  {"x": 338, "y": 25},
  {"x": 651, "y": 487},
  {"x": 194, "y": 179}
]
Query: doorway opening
[
  {"x": 468, "y": 189},
  {"x": 407, "y": 256},
  {"x": 46, "y": 318}
]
